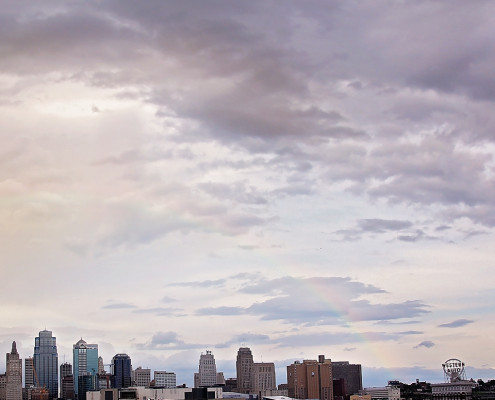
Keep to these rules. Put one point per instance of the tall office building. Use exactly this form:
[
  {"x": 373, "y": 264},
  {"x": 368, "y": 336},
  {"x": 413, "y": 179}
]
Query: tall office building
[
  {"x": 121, "y": 371},
  {"x": 28, "y": 372},
  {"x": 350, "y": 373},
  {"x": 13, "y": 372},
  {"x": 262, "y": 378},
  {"x": 164, "y": 379},
  {"x": 85, "y": 357},
  {"x": 243, "y": 366},
  {"x": 66, "y": 382},
  {"x": 207, "y": 375},
  {"x": 310, "y": 379},
  {"x": 46, "y": 362}
]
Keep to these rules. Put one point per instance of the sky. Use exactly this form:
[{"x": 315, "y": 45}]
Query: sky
[{"x": 300, "y": 178}]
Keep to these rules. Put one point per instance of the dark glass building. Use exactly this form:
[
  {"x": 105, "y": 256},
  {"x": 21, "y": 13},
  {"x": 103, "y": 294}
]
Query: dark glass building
[
  {"x": 121, "y": 371},
  {"x": 46, "y": 362}
]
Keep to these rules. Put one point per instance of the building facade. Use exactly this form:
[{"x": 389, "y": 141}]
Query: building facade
[
  {"x": 28, "y": 372},
  {"x": 207, "y": 374},
  {"x": 461, "y": 389},
  {"x": 390, "y": 392},
  {"x": 310, "y": 379},
  {"x": 3, "y": 386},
  {"x": 350, "y": 373},
  {"x": 263, "y": 379},
  {"x": 13, "y": 372},
  {"x": 164, "y": 379},
  {"x": 85, "y": 358},
  {"x": 142, "y": 377},
  {"x": 244, "y": 364},
  {"x": 66, "y": 382},
  {"x": 121, "y": 371},
  {"x": 46, "y": 362}
]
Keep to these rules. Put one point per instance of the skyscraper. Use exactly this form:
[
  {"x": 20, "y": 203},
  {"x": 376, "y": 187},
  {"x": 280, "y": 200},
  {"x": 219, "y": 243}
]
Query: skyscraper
[
  {"x": 243, "y": 366},
  {"x": 46, "y": 362},
  {"x": 121, "y": 371},
  {"x": 13, "y": 374},
  {"x": 207, "y": 375},
  {"x": 85, "y": 357}
]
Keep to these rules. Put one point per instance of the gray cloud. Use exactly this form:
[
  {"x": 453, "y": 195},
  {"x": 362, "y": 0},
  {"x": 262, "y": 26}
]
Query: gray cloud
[
  {"x": 203, "y": 284},
  {"x": 116, "y": 306},
  {"x": 318, "y": 301},
  {"x": 374, "y": 225},
  {"x": 245, "y": 339},
  {"x": 382, "y": 225},
  {"x": 427, "y": 343},
  {"x": 457, "y": 323},
  {"x": 158, "y": 311}
]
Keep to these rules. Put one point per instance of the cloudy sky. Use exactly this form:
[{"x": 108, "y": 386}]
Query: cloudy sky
[{"x": 302, "y": 178}]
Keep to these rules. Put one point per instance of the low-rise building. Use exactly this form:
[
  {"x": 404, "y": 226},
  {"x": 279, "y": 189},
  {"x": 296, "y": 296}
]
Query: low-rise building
[
  {"x": 390, "y": 392},
  {"x": 453, "y": 390},
  {"x": 137, "y": 393}
]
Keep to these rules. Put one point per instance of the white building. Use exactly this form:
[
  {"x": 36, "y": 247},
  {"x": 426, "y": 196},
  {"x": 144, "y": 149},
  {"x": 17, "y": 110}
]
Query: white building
[
  {"x": 207, "y": 375},
  {"x": 451, "y": 390},
  {"x": 383, "y": 393},
  {"x": 164, "y": 379}
]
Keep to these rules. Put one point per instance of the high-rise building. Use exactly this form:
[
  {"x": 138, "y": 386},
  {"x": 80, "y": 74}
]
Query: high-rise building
[
  {"x": 310, "y": 379},
  {"x": 66, "y": 382},
  {"x": 85, "y": 357},
  {"x": 164, "y": 379},
  {"x": 121, "y": 371},
  {"x": 243, "y": 366},
  {"x": 207, "y": 375},
  {"x": 262, "y": 378},
  {"x": 350, "y": 373},
  {"x": 28, "y": 372},
  {"x": 142, "y": 377},
  {"x": 46, "y": 362},
  {"x": 13, "y": 372}
]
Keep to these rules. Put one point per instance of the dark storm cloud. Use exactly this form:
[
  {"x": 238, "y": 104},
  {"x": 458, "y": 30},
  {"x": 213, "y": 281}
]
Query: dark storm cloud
[{"x": 457, "y": 323}]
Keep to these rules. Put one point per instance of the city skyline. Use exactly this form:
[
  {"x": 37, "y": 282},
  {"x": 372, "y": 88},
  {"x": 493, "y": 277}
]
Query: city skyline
[
  {"x": 244, "y": 353},
  {"x": 299, "y": 178}
]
